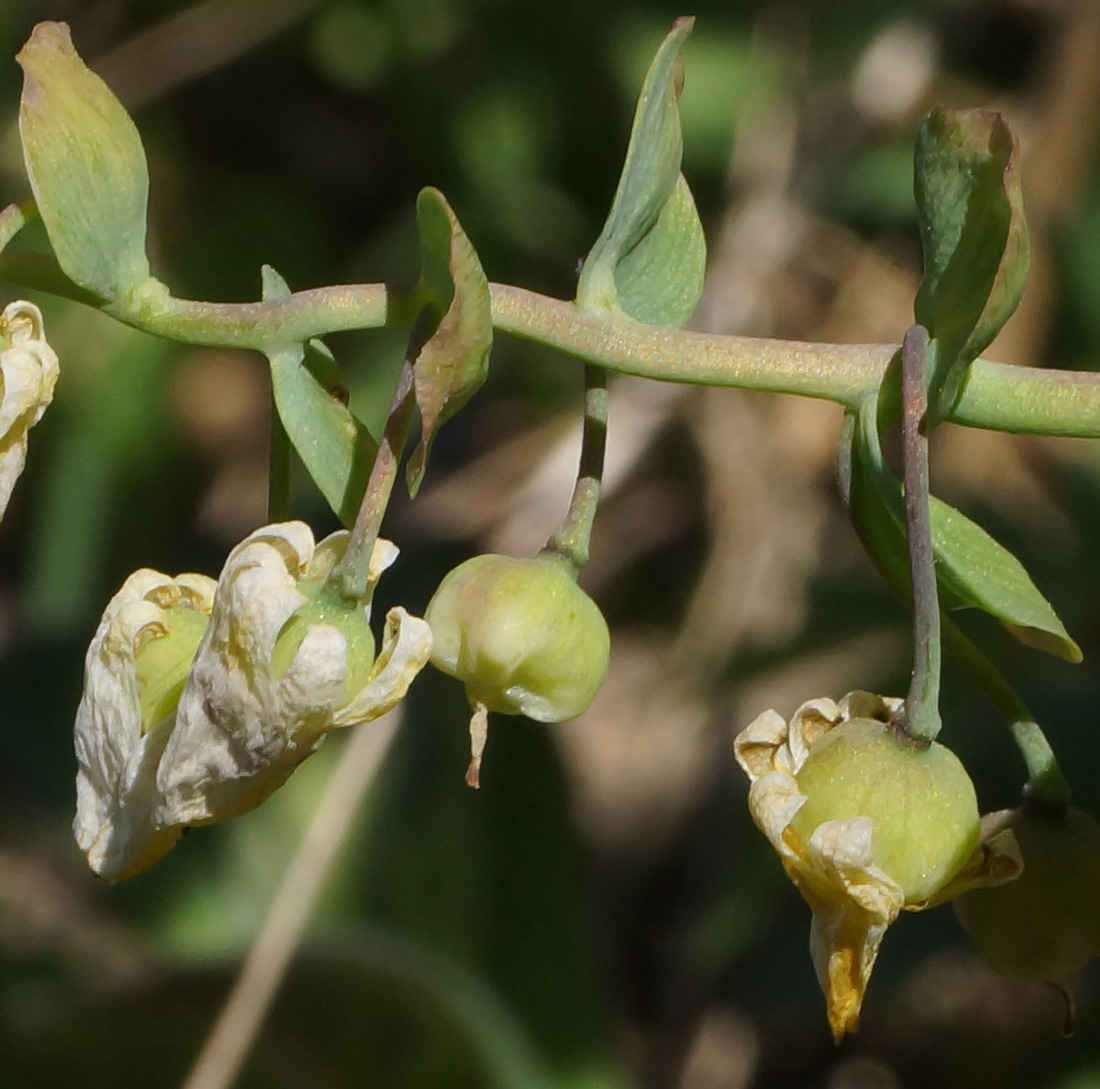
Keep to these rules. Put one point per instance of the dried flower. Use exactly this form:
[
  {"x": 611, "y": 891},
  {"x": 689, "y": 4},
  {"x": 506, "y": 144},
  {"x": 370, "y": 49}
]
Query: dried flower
[
  {"x": 276, "y": 672},
  {"x": 201, "y": 697},
  {"x": 134, "y": 670},
  {"x": 28, "y": 373},
  {"x": 867, "y": 823}
]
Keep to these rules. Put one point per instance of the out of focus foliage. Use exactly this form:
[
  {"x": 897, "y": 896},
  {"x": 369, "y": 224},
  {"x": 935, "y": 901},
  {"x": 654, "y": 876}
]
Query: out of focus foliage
[{"x": 603, "y": 905}]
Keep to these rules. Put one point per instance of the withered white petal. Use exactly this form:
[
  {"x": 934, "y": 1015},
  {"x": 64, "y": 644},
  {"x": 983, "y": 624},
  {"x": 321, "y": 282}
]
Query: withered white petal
[
  {"x": 406, "y": 648},
  {"x": 240, "y": 729},
  {"x": 28, "y": 373},
  {"x": 116, "y": 792}
]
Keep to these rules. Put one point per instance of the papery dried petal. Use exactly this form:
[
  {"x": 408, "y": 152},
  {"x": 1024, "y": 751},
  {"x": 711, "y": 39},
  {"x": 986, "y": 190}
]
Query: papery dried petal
[
  {"x": 241, "y": 730},
  {"x": 116, "y": 758},
  {"x": 832, "y": 861},
  {"x": 28, "y": 373}
]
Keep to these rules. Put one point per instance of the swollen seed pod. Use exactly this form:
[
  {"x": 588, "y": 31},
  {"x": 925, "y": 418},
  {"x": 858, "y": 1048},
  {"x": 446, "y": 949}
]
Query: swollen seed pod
[
  {"x": 522, "y": 636},
  {"x": 867, "y": 823},
  {"x": 1045, "y": 925},
  {"x": 918, "y": 797}
]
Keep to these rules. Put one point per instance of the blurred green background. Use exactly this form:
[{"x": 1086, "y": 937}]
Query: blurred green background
[{"x": 602, "y": 912}]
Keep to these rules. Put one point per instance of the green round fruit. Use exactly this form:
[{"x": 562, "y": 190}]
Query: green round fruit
[
  {"x": 325, "y": 606},
  {"x": 162, "y": 664},
  {"x": 1046, "y": 923},
  {"x": 521, "y": 634},
  {"x": 918, "y": 796}
]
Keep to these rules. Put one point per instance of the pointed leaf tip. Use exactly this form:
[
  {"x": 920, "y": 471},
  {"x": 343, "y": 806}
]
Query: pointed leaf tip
[
  {"x": 974, "y": 235},
  {"x": 454, "y": 362},
  {"x": 86, "y": 166},
  {"x": 335, "y": 447},
  {"x": 649, "y": 261}
]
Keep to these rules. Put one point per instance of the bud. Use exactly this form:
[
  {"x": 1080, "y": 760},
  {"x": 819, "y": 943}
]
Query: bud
[
  {"x": 134, "y": 672},
  {"x": 867, "y": 823},
  {"x": 86, "y": 166},
  {"x": 28, "y": 373},
  {"x": 523, "y": 637},
  {"x": 1045, "y": 925},
  {"x": 282, "y": 663}
]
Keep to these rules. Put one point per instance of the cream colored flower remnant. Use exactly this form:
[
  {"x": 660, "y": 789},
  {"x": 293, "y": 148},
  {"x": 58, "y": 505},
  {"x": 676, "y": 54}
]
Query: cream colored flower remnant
[
  {"x": 28, "y": 373},
  {"x": 116, "y": 756},
  {"x": 853, "y": 901},
  {"x": 238, "y": 730}
]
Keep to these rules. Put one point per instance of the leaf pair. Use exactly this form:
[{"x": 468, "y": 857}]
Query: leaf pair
[
  {"x": 649, "y": 261},
  {"x": 448, "y": 367},
  {"x": 974, "y": 236}
]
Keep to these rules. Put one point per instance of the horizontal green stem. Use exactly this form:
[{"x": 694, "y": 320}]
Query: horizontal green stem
[{"x": 996, "y": 396}]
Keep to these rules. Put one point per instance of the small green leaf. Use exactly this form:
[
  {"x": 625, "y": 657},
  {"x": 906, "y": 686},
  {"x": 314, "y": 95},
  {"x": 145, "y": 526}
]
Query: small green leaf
[
  {"x": 972, "y": 568},
  {"x": 12, "y": 220},
  {"x": 86, "y": 166},
  {"x": 974, "y": 236},
  {"x": 336, "y": 449},
  {"x": 976, "y": 570},
  {"x": 648, "y": 263},
  {"x": 454, "y": 361}
]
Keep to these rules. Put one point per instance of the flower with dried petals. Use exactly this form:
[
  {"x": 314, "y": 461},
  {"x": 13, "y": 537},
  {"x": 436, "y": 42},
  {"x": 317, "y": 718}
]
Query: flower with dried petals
[
  {"x": 134, "y": 670},
  {"x": 283, "y": 662},
  {"x": 867, "y": 823},
  {"x": 28, "y": 373}
]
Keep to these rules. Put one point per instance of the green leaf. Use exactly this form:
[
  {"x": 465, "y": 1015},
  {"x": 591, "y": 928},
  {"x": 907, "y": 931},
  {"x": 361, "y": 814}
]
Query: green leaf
[
  {"x": 454, "y": 362},
  {"x": 972, "y": 568},
  {"x": 336, "y": 449},
  {"x": 649, "y": 262},
  {"x": 12, "y": 220},
  {"x": 86, "y": 166},
  {"x": 974, "y": 236}
]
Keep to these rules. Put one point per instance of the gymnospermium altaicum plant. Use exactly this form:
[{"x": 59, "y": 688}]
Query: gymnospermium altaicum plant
[{"x": 202, "y": 695}]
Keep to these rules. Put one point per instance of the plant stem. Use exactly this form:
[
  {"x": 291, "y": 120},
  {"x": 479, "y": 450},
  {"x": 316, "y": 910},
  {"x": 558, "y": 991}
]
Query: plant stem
[
  {"x": 1045, "y": 780},
  {"x": 573, "y": 537},
  {"x": 352, "y": 574},
  {"x": 996, "y": 396},
  {"x": 922, "y": 704}
]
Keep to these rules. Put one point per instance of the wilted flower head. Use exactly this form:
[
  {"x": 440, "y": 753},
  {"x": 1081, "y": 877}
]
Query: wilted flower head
[
  {"x": 28, "y": 372},
  {"x": 201, "y": 697},
  {"x": 867, "y": 823},
  {"x": 126, "y": 716},
  {"x": 282, "y": 663}
]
